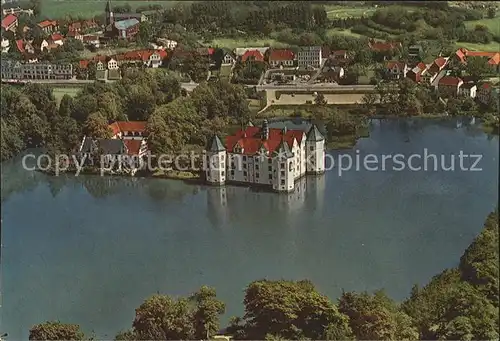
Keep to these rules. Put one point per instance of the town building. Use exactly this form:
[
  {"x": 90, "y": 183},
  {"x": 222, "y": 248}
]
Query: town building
[
  {"x": 17, "y": 70},
  {"x": 10, "y": 22},
  {"x": 486, "y": 92},
  {"x": 5, "y": 45},
  {"x": 121, "y": 25},
  {"x": 281, "y": 57},
  {"x": 113, "y": 153},
  {"x": 310, "y": 56},
  {"x": 331, "y": 74},
  {"x": 128, "y": 130},
  {"x": 415, "y": 74},
  {"x": 468, "y": 90},
  {"x": 240, "y": 51},
  {"x": 396, "y": 70},
  {"x": 252, "y": 56},
  {"x": 448, "y": 86},
  {"x": 491, "y": 58},
  {"x": 274, "y": 158},
  {"x": 57, "y": 39},
  {"x": 48, "y": 26},
  {"x": 17, "y": 10}
]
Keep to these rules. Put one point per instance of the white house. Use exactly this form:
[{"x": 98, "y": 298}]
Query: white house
[
  {"x": 310, "y": 56},
  {"x": 275, "y": 158},
  {"x": 5, "y": 45},
  {"x": 112, "y": 64},
  {"x": 396, "y": 70},
  {"x": 468, "y": 90}
]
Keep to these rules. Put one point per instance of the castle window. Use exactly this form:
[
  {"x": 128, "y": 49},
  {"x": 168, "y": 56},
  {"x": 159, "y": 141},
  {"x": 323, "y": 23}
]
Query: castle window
[
  {"x": 245, "y": 173},
  {"x": 222, "y": 173},
  {"x": 245, "y": 166},
  {"x": 270, "y": 168},
  {"x": 311, "y": 148},
  {"x": 282, "y": 173},
  {"x": 282, "y": 165},
  {"x": 257, "y": 167},
  {"x": 290, "y": 167},
  {"x": 270, "y": 176},
  {"x": 257, "y": 174},
  {"x": 232, "y": 172},
  {"x": 282, "y": 182},
  {"x": 244, "y": 158}
]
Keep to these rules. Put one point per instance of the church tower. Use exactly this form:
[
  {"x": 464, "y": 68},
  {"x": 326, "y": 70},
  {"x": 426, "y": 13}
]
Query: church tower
[{"x": 109, "y": 14}]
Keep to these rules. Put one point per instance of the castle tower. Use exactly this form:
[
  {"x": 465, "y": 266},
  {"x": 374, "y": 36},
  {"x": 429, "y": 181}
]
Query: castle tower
[
  {"x": 283, "y": 176},
  {"x": 215, "y": 161},
  {"x": 109, "y": 14},
  {"x": 315, "y": 151}
]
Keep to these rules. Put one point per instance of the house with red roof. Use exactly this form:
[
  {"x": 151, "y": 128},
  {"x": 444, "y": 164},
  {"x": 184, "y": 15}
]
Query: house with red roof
[
  {"x": 10, "y": 22},
  {"x": 396, "y": 70},
  {"x": 486, "y": 91},
  {"x": 415, "y": 74},
  {"x": 491, "y": 58},
  {"x": 449, "y": 86},
  {"x": 281, "y": 57},
  {"x": 128, "y": 130},
  {"x": 56, "y": 38},
  {"x": 384, "y": 48},
  {"x": 252, "y": 55},
  {"x": 48, "y": 26},
  {"x": 271, "y": 157}
]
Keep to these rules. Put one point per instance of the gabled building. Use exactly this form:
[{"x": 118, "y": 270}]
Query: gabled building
[
  {"x": 112, "y": 153},
  {"x": 5, "y": 45},
  {"x": 468, "y": 90},
  {"x": 57, "y": 39},
  {"x": 396, "y": 70},
  {"x": 9, "y": 23},
  {"x": 486, "y": 92},
  {"x": 252, "y": 55},
  {"x": 449, "y": 86},
  {"x": 128, "y": 130},
  {"x": 48, "y": 26},
  {"x": 274, "y": 158},
  {"x": 281, "y": 57},
  {"x": 415, "y": 74}
]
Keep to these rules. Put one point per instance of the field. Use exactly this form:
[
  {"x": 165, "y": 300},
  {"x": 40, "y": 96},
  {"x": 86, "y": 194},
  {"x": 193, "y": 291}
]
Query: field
[
  {"x": 337, "y": 31},
  {"x": 59, "y": 92},
  {"x": 90, "y": 8},
  {"x": 491, "y": 47},
  {"x": 492, "y": 24},
  {"x": 337, "y": 12},
  {"x": 87, "y": 54},
  {"x": 242, "y": 42}
]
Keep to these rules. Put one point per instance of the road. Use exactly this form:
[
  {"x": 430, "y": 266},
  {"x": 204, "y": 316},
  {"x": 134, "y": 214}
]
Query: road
[{"x": 191, "y": 86}]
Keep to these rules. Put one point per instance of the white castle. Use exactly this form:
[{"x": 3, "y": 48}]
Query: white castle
[{"x": 265, "y": 156}]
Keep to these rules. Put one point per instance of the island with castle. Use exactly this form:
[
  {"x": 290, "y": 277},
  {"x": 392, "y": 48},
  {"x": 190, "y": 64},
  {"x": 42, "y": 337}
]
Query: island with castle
[{"x": 263, "y": 156}]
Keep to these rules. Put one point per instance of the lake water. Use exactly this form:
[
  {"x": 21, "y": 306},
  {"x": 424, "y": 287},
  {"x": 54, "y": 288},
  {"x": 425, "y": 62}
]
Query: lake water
[{"x": 89, "y": 250}]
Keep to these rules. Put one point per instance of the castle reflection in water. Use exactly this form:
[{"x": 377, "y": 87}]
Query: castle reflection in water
[{"x": 229, "y": 204}]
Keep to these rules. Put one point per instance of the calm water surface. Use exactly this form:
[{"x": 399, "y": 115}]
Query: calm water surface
[{"x": 89, "y": 250}]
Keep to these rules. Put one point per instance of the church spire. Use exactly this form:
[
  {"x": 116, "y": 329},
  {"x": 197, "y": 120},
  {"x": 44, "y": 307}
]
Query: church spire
[{"x": 108, "y": 6}]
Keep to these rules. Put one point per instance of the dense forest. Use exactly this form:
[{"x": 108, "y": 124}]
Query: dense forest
[{"x": 458, "y": 304}]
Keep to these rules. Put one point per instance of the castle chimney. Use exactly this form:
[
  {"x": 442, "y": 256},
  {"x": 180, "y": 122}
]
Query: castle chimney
[{"x": 265, "y": 131}]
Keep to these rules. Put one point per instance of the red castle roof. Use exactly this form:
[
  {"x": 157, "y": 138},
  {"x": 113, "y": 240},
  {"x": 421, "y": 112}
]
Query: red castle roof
[
  {"x": 281, "y": 54},
  {"x": 131, "y": 126},
  {"x": 250, "y": 141}
]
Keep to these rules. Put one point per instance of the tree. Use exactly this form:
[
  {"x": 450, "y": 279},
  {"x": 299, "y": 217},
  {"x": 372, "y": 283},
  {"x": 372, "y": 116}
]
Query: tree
[
  {"x": 56, "y": 331},
  {"x": 97, "y": 126},
  {"x": 161, "y": 317},
  {"x": 320, "y": 99},
  {"x": 145, "y": 33},
  {"x": 207, "y": 311},
  {"x": 375, "y": 317},
  {"x": 477, "y": 67},
  {"x": 492, "y": 12},
  {"x": 65, "y": 106},
  {"x": 479, "y": 263},
  {"x": 291, "y": 310}
]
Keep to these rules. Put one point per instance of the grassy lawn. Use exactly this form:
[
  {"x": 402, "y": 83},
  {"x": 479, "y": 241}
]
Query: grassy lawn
[
  {"x": 491, "y": 47},
  {"x": 91, "y": 8},
  {"x": 338, "y": 31},
  {"x": 337, "y": 12},
  {"x": 87, "y": 54},
  {"x": 242, "y": 42},
  {"x": 492, "y": 24},
  {"x": 59, "y": 92}
]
